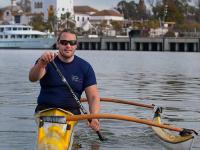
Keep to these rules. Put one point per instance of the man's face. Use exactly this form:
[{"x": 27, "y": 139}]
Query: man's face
[{"x": 67, "y": 45}]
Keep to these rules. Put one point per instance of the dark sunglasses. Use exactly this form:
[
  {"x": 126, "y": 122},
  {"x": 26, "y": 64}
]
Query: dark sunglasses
[{"x": 65, "y": 42}]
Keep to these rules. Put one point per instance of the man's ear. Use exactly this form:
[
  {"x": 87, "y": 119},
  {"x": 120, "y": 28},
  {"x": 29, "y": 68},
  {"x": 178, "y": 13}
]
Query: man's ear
[{"x": 57, "y": 45}]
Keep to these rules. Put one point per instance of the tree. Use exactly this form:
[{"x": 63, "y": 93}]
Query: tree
[
  {"x": 132, "y": 10},
  {"x": 128, "y": 9},
  {"x": 52, "y": 20},
  {"x": 67, "y": 20},
  {"x": 142, "y": 12},
  {"x": 25, "y": 5},
  {"x": 117, "y": 25},
  {"x": 52, "y": 23},
  {"x": 37, "y": 22},
  {"x": 170, "y": 10}
]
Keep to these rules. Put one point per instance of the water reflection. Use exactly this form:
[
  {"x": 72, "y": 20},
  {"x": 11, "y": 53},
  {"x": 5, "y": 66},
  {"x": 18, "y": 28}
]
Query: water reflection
[{"x": 170, "y": 80}]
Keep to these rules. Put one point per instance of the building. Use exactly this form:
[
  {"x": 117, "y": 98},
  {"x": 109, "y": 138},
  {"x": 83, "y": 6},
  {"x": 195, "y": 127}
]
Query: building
[
  {"x": 106, "y": 15},
  {"x": 11, "y": 14},
  {"x": 87, "y": 17},
  {"x": 52, "y": 7},
  {"x": 83, "y": 14}
]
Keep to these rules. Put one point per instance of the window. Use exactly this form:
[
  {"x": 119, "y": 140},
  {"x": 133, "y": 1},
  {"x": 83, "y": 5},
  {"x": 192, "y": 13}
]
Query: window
[
  {"x": 88, "y": 18},
  {"x": 63, "y": 9},
  {"x": 83, "y": 19},
  {"x": 26, "y": 36},
  {"x": 19, "y": 36},
  {"x": 1, "y": 36},
  {"x": 33, "y": 36},
  {"x": 7, "y": 13},
  {"x": 41, "y": 5},
  {"x": 17, "y": 19},
  {"x": 14, "y": 29},
  {"x": 38, "y": 4},
  {"x": 12, "y": 36},
  {"x": 8, "y": 29},
  {"x": 78, "y": 18},
  {"x": 35, "y": 4}
]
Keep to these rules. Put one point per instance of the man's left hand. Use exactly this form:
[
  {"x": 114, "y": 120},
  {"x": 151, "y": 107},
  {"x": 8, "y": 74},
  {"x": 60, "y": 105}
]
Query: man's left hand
[{"x": 95, "y": 124}]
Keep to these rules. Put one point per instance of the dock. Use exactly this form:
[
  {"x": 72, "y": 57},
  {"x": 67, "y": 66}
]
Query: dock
[{"x": 170, "y": 44}]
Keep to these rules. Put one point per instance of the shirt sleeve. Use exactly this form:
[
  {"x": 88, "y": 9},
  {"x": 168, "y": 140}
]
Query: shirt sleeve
[{"x": 90, "y": 78}]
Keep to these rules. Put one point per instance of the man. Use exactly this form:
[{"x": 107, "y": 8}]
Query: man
[{"x": 77, "y": 72}]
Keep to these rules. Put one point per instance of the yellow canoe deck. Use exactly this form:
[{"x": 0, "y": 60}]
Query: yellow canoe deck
[{"x": 53, "y": 133}]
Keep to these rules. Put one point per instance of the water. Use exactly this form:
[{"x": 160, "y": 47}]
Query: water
[{"x": 171, "y": 80}]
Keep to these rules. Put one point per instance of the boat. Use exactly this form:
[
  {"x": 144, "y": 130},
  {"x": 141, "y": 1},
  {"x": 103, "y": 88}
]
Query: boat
[
  {"x": 55, "y": 127},
  {"x": 54, "y": 132},
  {"x": 16, "y": 36}
]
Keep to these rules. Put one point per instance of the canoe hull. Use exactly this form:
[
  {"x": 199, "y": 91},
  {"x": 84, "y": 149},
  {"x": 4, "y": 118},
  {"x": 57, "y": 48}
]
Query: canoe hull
[{"x": 53, "y": 134}]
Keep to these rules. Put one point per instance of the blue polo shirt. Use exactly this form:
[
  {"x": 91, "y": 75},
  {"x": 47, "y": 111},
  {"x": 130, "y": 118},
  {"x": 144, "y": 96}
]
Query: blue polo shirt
[{"x": 54, "y": 92}]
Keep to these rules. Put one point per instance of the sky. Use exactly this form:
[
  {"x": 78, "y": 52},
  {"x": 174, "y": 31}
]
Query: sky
[{"x": 98, "y": 4}]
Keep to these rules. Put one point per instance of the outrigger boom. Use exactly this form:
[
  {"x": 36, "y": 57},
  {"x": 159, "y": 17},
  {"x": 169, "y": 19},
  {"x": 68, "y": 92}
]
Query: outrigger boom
[{"x": 122, "y": 117}]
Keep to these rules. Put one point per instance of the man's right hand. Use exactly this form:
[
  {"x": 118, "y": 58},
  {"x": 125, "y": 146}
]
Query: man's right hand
[
  {"x": 39, "y": 70},
  {"x": 47, "y": 57}
]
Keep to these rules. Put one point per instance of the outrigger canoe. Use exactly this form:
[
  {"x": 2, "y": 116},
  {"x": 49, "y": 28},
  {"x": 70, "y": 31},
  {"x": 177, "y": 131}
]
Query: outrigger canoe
[{"x": 56, "y": 127}]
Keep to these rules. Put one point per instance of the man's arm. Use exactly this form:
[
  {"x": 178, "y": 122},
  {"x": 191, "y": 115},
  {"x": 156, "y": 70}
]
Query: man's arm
[
  {"x": 39, "y": 70},
  {"x": 94, "y": 104}
]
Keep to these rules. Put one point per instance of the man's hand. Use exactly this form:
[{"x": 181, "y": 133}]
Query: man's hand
[
  {"x": 95, "y": 124},
  {"x": 47, "y": 57},
  {"x": 38, "y": 70}
]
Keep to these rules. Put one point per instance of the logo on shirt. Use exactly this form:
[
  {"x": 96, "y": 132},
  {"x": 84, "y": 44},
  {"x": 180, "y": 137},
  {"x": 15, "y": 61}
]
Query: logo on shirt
[{"x": 76, "y": 79}]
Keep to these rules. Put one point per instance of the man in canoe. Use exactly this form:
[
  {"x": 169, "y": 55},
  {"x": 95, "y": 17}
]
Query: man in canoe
[{"x": 78, "y": 73}]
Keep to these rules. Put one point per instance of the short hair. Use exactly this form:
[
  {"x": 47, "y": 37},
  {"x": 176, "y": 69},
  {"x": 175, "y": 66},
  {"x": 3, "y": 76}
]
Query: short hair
[{"x": 66, "y": 31}]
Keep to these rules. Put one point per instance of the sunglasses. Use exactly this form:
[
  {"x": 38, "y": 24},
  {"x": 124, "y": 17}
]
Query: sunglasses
[{"x": 65, "y": 42}]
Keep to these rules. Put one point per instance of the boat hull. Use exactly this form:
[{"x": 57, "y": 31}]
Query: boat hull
[
  {"x": 54, "y": 133},
  {"x": 39, "y": 43}
]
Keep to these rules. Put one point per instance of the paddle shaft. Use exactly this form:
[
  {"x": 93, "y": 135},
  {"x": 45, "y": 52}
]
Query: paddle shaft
[
  {"x": 122, "y": 102},
  {"x": 122, "y": 117},
  {"x": 84, "y": 111}
]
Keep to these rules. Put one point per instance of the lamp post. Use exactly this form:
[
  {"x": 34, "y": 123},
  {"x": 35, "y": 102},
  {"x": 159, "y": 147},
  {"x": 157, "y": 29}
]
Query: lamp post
[
  {"x": 165, "y": 13},
  {"x": 162, "y": 26}
]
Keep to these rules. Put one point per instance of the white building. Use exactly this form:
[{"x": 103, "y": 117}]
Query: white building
[
  {"x": 106, "y": 15},
  {"x": 11, "y": 14},
  {"x": 58, "y": 7},
  {"x": 82, "y": 14},
  {"x": 87, "y": 17}
]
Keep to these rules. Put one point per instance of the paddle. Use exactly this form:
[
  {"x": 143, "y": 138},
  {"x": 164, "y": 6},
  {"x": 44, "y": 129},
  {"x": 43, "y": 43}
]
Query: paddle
[
  {"x": 84, "y": 111},
  {"x": 122, "y": 102},
  {"x": 128, "y": 118}
]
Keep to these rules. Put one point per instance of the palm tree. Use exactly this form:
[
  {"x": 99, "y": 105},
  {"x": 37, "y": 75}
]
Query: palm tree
[{"x": 67, "y": 21}]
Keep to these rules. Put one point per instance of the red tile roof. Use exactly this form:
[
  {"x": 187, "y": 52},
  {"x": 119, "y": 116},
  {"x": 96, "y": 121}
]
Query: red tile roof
[
  {"x": 84, "y": 9},
  {"x": 107, "y": 13}
]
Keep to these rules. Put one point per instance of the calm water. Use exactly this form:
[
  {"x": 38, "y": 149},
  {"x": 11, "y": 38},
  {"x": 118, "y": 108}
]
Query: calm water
[{"x": 171, "y": 80}]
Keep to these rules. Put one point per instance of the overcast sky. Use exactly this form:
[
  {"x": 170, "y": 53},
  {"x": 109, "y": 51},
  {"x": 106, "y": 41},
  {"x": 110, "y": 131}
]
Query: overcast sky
[{"x": 98, "y": 4}]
